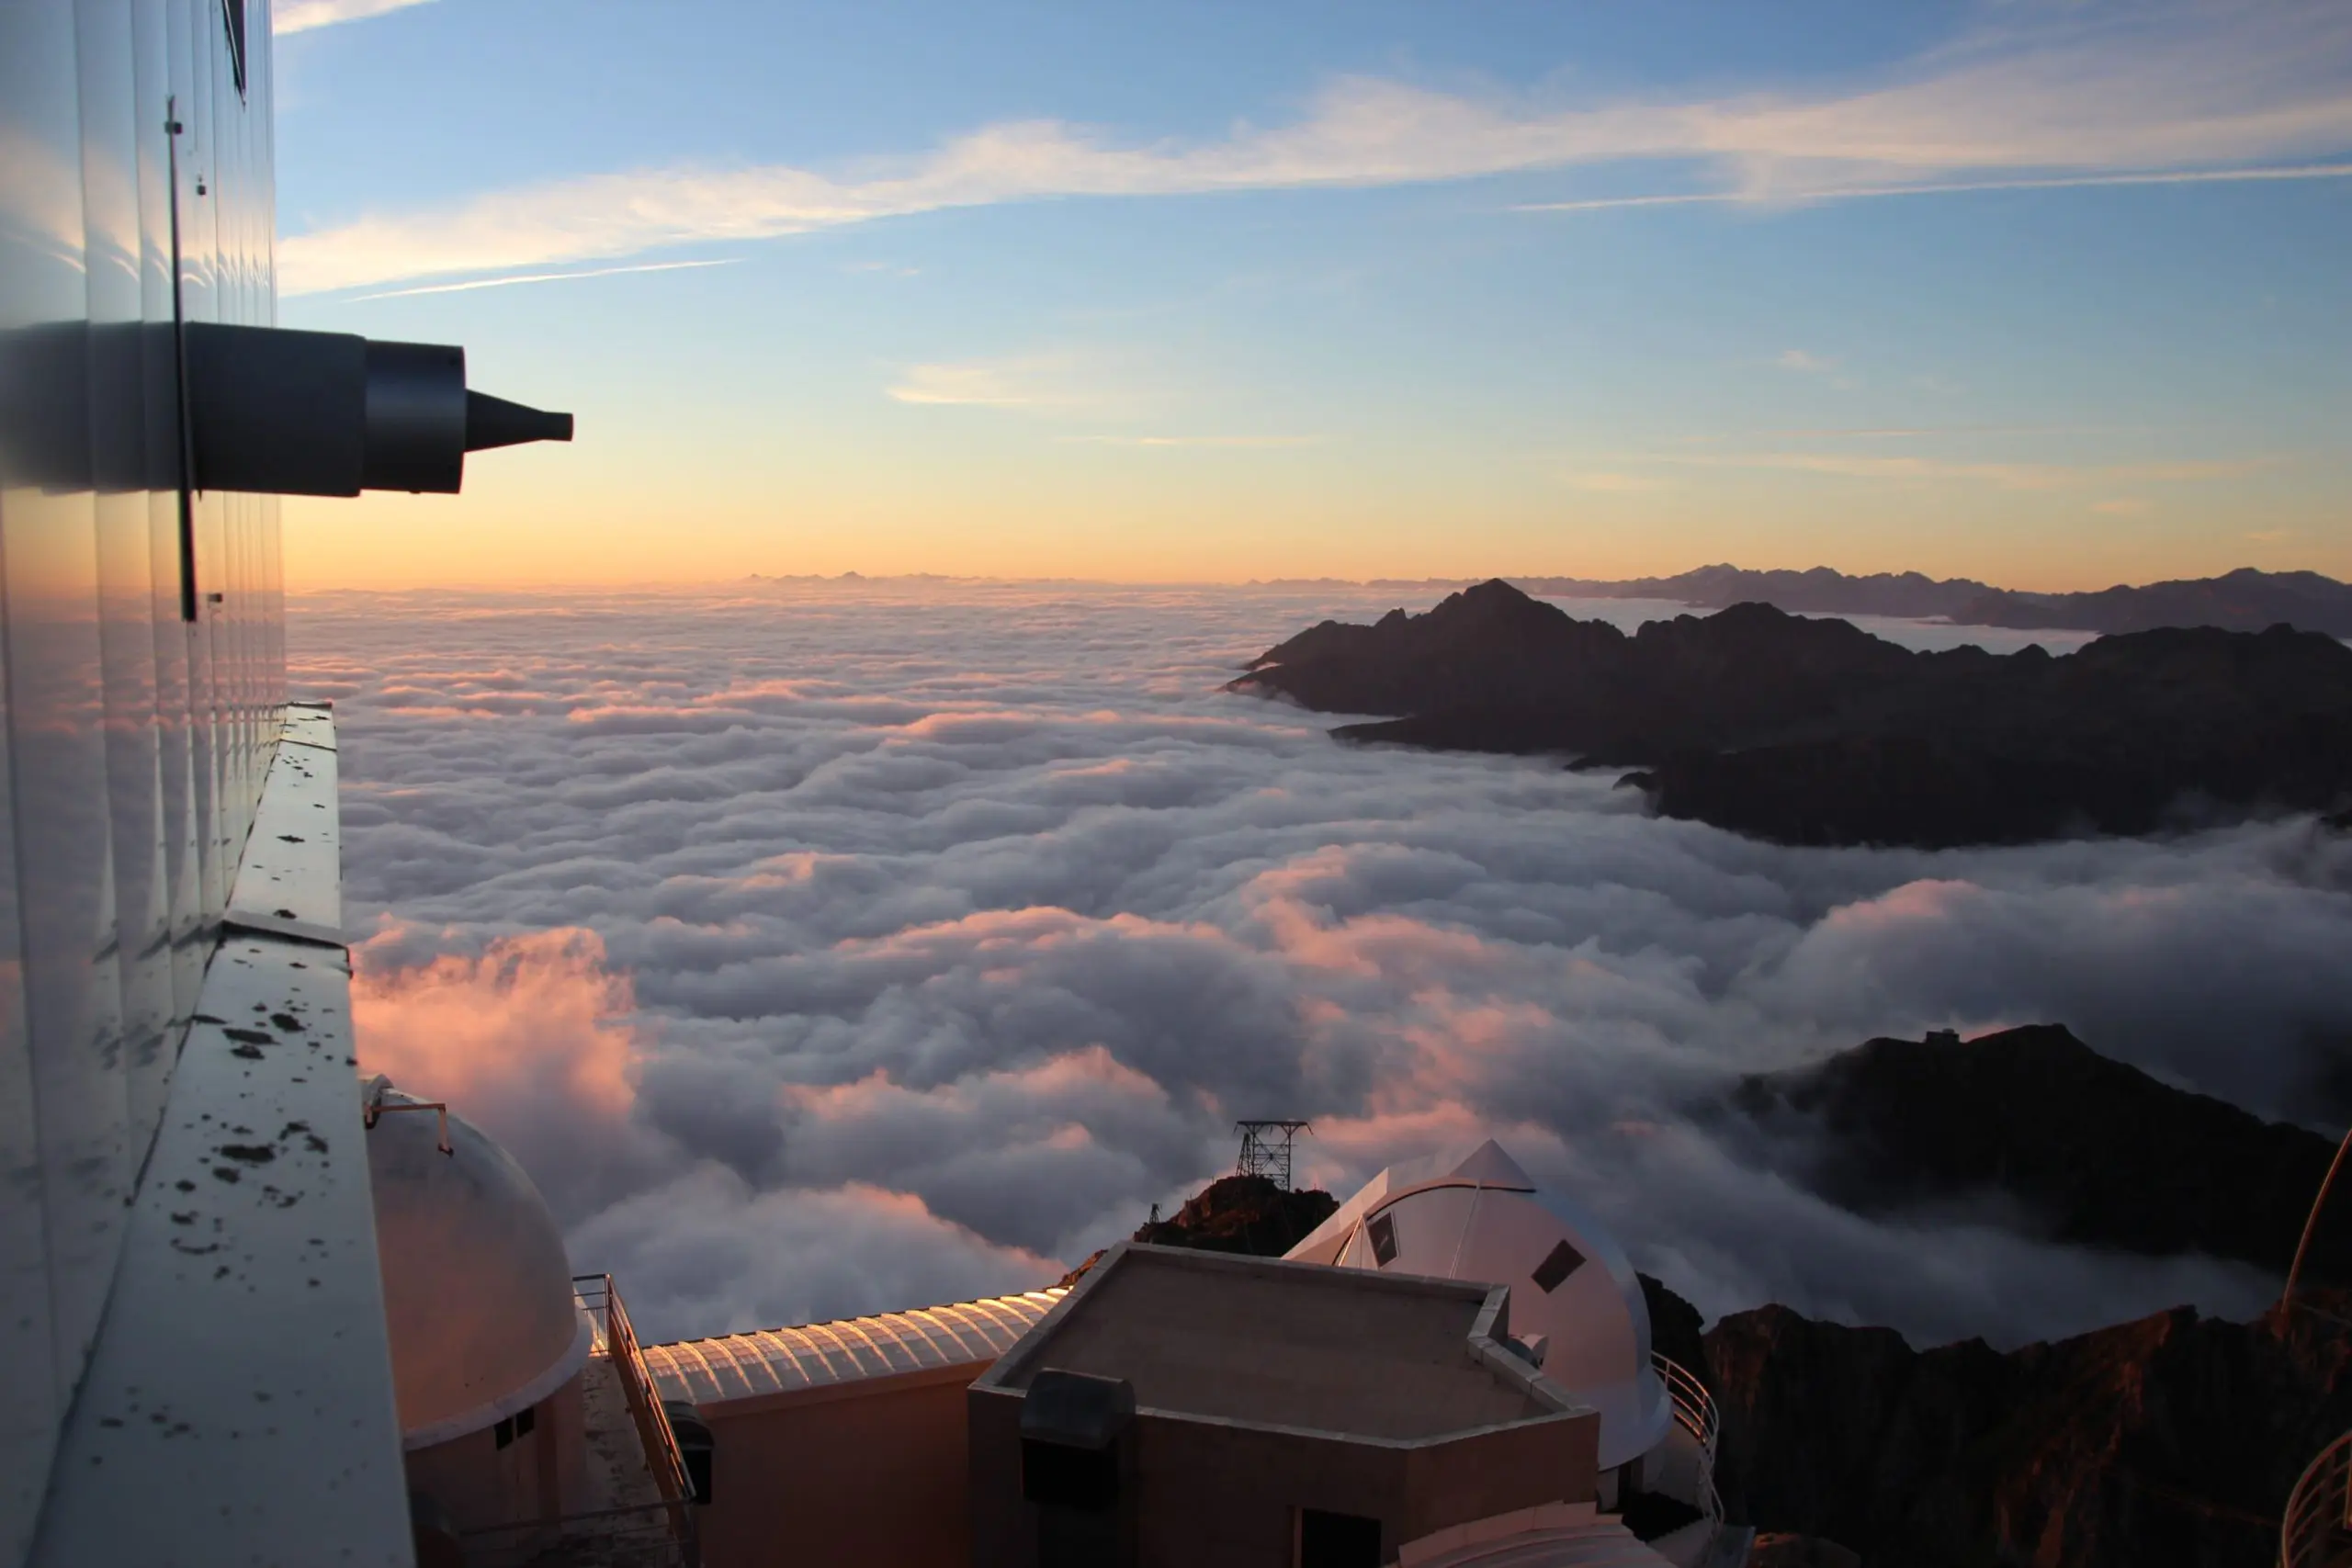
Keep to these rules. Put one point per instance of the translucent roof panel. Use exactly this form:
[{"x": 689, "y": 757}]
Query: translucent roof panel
[{"x": 816, "y": 1355}]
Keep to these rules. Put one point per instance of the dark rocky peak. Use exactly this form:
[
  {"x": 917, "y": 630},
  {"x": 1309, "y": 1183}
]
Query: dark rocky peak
[
  {"x": 2204, "y": 675},
  {"x": 1325, "y": 639},
  {"x": 1247, "y": 1214},
  {"x": 1751, "y": 617},
  {"x": 1716, "y": 576},
  {"x": 1495, "y": 603},
  {"x": 1494, "y": 616},
  {"x": 1677, "y": 1327},
  {"x": 1818, "y": 590},
  {"x": 2166, "y": 1442},
  {"x": 1489, "y": 640},
  {"x": 1491, "y": 617},
  {"x": 2163, "y": 650},
  {"x": 1733, "y": 639},
  {"x": 2169, "y": 1442},
  {"x": 1242, "y": 1213},
  {"x": 2242, "y": 600},
  {"x": 2092, "y": 1150},
  {"x": 2313, "y": 584},
  {"x": 1808, "y": 730}
]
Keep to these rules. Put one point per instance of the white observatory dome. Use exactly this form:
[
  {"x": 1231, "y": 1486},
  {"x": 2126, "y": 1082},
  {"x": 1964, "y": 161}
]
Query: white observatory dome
[
  {"x": 477, "y": 1288},
  {"x": 1575, "y": 1300}
]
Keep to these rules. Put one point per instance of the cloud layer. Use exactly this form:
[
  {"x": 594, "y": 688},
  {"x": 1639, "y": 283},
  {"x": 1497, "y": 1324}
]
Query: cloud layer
[
  {"x": 2166, "y": 91},
  {"x": 303, "y": 16},
  {"x": 826, "y": 948}
]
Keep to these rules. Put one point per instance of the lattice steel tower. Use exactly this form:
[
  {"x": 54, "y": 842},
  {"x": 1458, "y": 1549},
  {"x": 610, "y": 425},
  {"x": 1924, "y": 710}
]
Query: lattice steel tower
[{"x": 1266, "y": 1149}]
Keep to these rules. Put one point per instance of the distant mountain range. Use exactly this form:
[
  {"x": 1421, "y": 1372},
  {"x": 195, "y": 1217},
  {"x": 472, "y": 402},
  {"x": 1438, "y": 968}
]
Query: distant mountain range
[
  {"x": 1811, "y": 731},
  {"x": 2244, "y": 600}
]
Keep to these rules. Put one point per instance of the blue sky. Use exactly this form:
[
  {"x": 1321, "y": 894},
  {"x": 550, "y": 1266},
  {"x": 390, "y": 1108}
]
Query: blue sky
[{"x": 2048, "y": 294}]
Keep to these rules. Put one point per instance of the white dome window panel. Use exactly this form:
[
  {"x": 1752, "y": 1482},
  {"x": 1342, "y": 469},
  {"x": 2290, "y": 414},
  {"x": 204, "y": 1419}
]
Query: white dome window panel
[
  {"x": 1576, "y": 1301},
  {"x": 1559, "y": 1264}
]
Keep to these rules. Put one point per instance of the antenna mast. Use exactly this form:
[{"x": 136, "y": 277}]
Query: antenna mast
[{"x": 1266, "y": 1149}]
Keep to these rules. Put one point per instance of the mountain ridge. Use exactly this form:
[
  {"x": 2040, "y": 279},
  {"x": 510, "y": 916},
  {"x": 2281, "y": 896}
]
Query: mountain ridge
[
  {"x": 2172, "y": 1441},
  {"x": 2245, "y": 599},
  {"x": 1813, "y": 731},
  {"x": 2093, "y": 1150}
]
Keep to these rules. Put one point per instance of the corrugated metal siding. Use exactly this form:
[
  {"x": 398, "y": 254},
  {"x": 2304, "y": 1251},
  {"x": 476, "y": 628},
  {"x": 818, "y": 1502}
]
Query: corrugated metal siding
[
  {"x": 815, "y": 1355},
  {"x": 133, "y": 743}
]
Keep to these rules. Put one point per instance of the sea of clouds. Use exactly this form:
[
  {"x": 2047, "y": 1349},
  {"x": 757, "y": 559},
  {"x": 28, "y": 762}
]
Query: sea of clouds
[{"x": 827, "y": 948}]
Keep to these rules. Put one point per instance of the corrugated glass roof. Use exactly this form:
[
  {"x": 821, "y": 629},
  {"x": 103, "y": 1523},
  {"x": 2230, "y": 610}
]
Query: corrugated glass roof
[{"x": 813, "y": 1354}]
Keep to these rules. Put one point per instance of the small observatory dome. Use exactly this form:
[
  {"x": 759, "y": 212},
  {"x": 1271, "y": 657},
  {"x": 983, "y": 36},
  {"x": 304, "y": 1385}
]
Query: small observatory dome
[
  {"x": 477, "y": 1288},
  {"x": 1575, "y": 1303}
]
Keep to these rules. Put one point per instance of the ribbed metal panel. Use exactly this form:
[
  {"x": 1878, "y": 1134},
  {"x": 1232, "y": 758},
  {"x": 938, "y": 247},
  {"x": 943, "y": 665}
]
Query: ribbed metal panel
[
  {"x": 133, "y": 743},
  {"x": 816, "y": 1355}
]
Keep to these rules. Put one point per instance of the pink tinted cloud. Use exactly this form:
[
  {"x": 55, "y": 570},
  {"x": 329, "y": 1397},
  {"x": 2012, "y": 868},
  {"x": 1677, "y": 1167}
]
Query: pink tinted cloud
[
  {"x": 533, "y": 1015},
  {"x": 928, "y": 894}
]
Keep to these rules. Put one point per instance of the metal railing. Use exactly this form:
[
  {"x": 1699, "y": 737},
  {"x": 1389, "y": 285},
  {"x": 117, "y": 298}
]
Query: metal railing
[
  {"x": 617, "y": 1342},
  {"x": 655, "y": 1533},
  {"x": 1695, "y": 1412},
  {"x": 2311, "y": 1221},
  {"x": 2317, "y": 1530}
]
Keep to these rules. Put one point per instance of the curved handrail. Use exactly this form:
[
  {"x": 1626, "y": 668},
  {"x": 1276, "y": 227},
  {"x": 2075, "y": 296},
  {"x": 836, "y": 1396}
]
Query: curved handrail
[
  {"x": 2317, "y": 1529},
  {"x": 1694, "y": 1407},
  {"x": 1696, "y": 1413},
  {"x": 2311, "y": 1221}
]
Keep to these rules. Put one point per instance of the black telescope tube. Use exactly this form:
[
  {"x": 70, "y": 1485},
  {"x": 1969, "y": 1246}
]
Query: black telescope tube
[
  {"x": 284, "y": 412},
  {"x": 495, "y": 421}
]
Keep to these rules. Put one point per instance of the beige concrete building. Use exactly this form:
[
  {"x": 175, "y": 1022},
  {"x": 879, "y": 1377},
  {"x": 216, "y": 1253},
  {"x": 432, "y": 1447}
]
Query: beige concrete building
[
  {"x": 841, "y": 1443},
  {"x": 1578, "y": 1312},
  {"x": 1184, "y": 1407},
  {"x": 1454, "y": 1372}
]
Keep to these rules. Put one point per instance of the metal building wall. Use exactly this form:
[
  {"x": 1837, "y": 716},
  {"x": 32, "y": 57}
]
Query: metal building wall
[{"x": 132, "y": 742}]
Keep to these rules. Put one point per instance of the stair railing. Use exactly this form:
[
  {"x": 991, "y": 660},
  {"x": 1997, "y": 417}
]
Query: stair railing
[
  {"x": 2317, "y": 1530},
  {"x": 1695, "y": 1412}
]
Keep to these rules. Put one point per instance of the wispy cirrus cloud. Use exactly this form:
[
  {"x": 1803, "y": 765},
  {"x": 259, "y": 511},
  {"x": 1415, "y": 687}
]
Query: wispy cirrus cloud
[
  {"x": 1607, "y": 481},
  {"x": 1035, "y": 383},
  {"x": 1916, "y": 431},
  {"x": 1084, "y": 382},
  {"x": 2018, "y": 476},
  {"x": 513, "y": 278},
  {"x": 1245, "y": 442},
  {"x": 1949, "y": 187},
  {"x": 303, "y": 16},
  {"x": 2162, "y": 95},
  {"x": 1804, "y": 363}
]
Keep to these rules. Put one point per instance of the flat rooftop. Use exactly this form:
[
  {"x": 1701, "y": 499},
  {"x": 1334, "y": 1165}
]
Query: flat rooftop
[{"x": 1281, "y": 1343}]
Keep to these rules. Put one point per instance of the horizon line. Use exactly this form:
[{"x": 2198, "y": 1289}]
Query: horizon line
[{"x": 547, "y": 587}]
